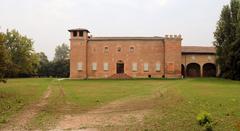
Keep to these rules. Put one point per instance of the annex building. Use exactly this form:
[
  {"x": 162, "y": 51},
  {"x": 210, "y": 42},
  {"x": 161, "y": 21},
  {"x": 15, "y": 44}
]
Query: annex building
[{"x": 137, "y": 57}]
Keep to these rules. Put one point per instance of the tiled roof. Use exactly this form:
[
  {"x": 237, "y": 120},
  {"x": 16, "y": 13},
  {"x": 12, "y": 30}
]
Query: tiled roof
[{"x": 198, "y": 49}]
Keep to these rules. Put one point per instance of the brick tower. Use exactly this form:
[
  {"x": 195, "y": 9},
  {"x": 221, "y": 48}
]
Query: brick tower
[
  {"x": 172, "y": 56},
  {"x": 78, "y": 53}
]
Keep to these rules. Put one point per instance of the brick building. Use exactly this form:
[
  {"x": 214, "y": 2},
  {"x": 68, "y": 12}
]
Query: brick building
[{"x": 137, "y": 57}]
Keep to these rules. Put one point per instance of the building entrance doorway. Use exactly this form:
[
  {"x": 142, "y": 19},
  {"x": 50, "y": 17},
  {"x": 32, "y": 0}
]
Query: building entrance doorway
[{"x": 120, "y": 67}]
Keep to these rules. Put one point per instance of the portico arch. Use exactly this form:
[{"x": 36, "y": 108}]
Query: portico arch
[
  {"x": 193, "y": 70},
  {"x": 209, "y": 70}
]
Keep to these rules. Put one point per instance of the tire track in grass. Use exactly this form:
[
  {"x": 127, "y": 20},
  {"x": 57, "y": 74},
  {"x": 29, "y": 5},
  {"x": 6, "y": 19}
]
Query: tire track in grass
[{"x": 21, "y": 120}]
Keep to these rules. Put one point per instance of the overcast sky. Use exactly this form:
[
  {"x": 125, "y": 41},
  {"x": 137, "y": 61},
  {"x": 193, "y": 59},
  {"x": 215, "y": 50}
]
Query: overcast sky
[{"x": 47, "y": 21}]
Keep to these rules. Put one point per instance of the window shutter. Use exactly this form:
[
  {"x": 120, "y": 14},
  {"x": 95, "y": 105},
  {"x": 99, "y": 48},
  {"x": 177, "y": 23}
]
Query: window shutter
[
  {"x": 105, "y": 66},
  {"x": 145, "y": 66},
  {"x": 80, "y": 66},
  {"x": 134, "y": 67},
  {"x": 94, "y": 66},
  {"x": 158, "y": 67}
]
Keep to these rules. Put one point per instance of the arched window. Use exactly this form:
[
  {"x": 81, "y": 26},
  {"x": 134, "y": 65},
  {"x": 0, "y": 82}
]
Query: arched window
[
  {"x": 106, "y": 49},
  {"x": 131, "y": 49},
  {"x": 119, "y": 49}
]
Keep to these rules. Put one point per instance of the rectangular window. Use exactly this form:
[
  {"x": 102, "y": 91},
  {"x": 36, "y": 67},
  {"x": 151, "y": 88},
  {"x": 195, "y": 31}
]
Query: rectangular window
[
  {"x": 81, "y": 33},
  {"x": 94, "y": 66},
  {"x": 105, "y": 66},
  {"x": 134, "y": 67},
  {"x": 80, "y": 66},
  {"x": 158, "y": 67},
  {"x": 74, "y": 33},
  {"x": 145, "y": 67}
]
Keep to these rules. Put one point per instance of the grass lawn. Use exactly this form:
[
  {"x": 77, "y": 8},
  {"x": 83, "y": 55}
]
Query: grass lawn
[
  {"x": 171, "y": 104},
  {"x": 18, "y": 93}
]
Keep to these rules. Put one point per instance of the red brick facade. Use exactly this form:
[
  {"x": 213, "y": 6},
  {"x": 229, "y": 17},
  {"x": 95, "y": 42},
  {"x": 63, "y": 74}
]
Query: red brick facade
[{"x": 137, "y": 57}]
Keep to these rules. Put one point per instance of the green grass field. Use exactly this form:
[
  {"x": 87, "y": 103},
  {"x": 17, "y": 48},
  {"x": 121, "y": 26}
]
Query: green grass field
[
  {"x": 170, "y": 104},
  {"x": 18, "y": 93}
]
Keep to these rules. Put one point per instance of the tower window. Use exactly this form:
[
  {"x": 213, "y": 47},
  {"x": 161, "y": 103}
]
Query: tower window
[
  {"x": 74, "y": 33},
  {"x": 81, "y": 33}
]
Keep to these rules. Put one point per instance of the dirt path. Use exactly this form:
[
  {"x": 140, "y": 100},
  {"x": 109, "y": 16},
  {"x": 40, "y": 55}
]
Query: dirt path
[
  {"x": 20, "y": 121},
  {"x": 118, "y": 113}
]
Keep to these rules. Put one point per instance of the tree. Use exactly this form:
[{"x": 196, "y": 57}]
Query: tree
[
  {"x": 59, "y": 67},
  {"x": 44, "y": 65},
  {"x": 4, "y": 58},
  {"x": 227, "y": 37},
  {"x": 23, "y": 57},
  {"x": 62, "y": 52}
]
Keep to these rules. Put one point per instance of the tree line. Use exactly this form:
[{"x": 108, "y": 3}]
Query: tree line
[
  {"x": 19, "y": 59},
  {"x": 227, "y": 42}
]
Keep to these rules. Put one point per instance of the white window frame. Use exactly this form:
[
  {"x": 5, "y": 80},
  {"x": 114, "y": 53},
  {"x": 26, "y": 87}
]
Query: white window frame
[
  {"x": 158, "y": 67},
  {"x": 134, "y": 67},
  {"x": 105, "y": 66},
  {"x": 145, "y": 67},
  {"x": 79, "y": 66},
  {"x": 94, "y": 66}
]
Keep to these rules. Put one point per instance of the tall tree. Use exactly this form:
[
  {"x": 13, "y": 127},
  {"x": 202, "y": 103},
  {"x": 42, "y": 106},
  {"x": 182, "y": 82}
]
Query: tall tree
[
  {"x": 61, "y": 63},
  {"x": 62, "y": 52},
  {"x": 23, "y": 57},
  {"x": 4, "y": 58},
  {"x": 43, "y": 68},
  {"x": 227, "y": 37}
]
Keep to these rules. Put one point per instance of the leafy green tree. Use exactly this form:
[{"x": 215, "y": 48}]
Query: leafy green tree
[
  {"x": 24, "y": 59},
  {"x": 4, "y": 58},
  {"x": 62, "y": 52},
  {"x": 59, "y": 67},
  {"x": 227, "y": 37},
  {"x": 44, "y": 65}
]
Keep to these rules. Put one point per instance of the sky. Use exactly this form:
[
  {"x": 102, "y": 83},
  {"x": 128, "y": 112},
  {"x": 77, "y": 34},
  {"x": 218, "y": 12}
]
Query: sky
[{"x": 46, "y": 21}]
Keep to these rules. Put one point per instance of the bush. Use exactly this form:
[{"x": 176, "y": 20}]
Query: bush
[{"x": 204, "y": 119}]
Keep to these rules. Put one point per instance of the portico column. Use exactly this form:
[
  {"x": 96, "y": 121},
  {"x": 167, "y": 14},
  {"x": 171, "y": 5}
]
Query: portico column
[{"x": 201, "y": 70}]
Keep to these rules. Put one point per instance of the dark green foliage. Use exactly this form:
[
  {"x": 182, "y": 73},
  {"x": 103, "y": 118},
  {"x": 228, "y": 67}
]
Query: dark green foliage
[
  {"x": 24, "y": 60},
  {"x": 18, "y": 58},
  {"x": 44, "y": 64},
  {"x": 4, "y": 58},
  {"x": 59, "y": 67},
  {"x": 227, "y": 37}
]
